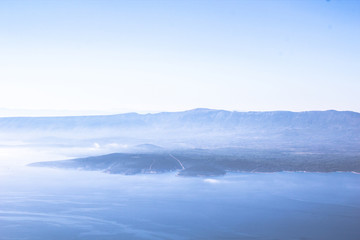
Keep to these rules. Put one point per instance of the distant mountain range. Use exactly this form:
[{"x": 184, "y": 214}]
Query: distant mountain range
[
  {"x": 194, "y": 118},
  {"x": 204, "y": 128}
]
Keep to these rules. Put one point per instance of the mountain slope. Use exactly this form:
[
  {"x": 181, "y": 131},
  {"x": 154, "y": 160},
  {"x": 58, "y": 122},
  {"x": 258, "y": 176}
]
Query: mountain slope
[{"x": 201, "y": 128}]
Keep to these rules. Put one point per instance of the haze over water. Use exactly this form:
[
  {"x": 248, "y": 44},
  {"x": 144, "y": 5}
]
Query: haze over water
[{"x": 67, "y": 58}]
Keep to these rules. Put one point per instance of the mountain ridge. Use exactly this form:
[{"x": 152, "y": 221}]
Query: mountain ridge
[
  {"x": 200, "y": 128},
  {"x": 183, "y": 115}
]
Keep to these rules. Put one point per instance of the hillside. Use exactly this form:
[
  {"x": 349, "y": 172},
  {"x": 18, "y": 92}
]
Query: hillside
[{"x": 205, "y": 128}]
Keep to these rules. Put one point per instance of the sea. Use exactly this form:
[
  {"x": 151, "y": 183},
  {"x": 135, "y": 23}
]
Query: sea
[{"x": 53, "y": 204}]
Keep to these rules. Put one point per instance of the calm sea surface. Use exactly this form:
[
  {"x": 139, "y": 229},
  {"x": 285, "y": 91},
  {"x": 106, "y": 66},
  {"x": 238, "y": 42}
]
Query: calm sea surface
[{"x": 41, "y": 203}]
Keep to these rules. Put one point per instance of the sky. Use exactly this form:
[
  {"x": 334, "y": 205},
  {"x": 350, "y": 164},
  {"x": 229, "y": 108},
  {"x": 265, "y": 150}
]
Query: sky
[{"x": 147, "y": 56}]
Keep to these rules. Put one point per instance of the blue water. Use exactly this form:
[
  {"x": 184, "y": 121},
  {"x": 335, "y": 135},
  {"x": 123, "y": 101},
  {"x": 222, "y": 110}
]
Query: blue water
[{"x": 40, "y": 203}]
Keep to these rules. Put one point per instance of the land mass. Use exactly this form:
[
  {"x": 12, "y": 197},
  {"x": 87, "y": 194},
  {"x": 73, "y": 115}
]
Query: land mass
[
  {"x": 198, "y": 128},
  {"x": 198, "y": 142},
  {"x": 205, "y": 162}
]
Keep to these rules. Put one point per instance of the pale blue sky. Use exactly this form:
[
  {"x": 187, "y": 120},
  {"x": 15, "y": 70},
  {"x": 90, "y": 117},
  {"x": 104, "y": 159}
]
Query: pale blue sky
[{"x": 176, "y": 55}]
